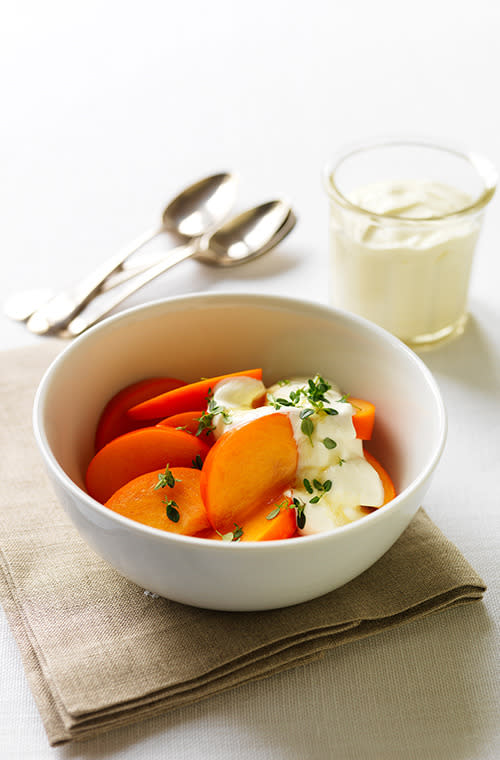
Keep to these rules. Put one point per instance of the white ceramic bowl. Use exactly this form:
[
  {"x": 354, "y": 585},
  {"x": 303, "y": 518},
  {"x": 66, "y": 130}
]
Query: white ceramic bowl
[{"x": 204, "y": 335}]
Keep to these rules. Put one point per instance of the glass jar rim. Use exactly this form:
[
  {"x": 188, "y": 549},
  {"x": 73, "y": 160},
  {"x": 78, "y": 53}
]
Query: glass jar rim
[{"x": 483, "y": 167}]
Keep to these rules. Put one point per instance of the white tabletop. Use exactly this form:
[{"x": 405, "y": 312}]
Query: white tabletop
[{"x": 108, "y": 109}]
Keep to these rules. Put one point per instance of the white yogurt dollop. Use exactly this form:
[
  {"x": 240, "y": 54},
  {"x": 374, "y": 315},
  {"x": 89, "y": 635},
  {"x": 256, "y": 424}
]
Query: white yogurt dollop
[
  {"x": 237, "y": 396},
  {"x": 329, "y": 453}
]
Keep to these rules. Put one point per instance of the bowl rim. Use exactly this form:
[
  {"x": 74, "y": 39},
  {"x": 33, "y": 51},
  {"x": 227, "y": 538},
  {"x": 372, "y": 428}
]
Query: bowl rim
[{"x": 234, "y": 298}]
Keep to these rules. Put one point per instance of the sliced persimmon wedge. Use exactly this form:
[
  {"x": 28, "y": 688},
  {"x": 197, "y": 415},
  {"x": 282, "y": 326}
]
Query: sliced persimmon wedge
[
  {"x": 190, "y": 422},
  {"x": 184, "y": 399},
  {"x": 114, "y": 420},
  {"x": 363, "y": 418},
  {"x": 276, "y": 520},
  {"x": 177, "y": 508},
  {"x": 140, "y": 451},
  {"x": 247, "y": 470}
]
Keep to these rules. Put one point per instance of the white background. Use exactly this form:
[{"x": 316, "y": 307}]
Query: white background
[{"x": 107, "y": 109}]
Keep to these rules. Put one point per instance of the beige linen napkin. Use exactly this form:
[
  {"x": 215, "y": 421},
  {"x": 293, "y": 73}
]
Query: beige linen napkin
[{"x": 99, "y": 652}]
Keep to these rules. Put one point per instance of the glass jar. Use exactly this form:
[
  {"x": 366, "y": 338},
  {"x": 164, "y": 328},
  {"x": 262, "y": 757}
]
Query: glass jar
[{"x": 405, "y": 217}]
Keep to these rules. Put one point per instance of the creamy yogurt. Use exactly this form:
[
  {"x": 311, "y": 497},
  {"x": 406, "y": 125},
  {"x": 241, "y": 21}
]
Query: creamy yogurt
[
  {"x": 331, "y": 452},
  {"x": 409, "y": 277}
]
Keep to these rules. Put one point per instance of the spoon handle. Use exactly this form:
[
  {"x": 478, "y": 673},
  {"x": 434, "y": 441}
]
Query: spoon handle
[
  {"x": 60, "y": 310},
  {"x": 106, "y": 302}
]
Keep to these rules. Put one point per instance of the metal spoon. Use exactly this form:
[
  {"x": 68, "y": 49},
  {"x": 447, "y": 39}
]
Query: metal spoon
[
  {"x": 196, "y": 211},
  {"x": 239, "y": 240}
]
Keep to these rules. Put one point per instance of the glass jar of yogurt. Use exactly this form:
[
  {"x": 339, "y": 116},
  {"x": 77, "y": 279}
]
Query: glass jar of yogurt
[{"x": 405, "y": 217}]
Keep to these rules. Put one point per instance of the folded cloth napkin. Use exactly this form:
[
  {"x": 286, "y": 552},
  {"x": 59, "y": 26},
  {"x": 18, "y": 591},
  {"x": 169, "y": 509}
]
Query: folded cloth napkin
[{"x": 101, "y": 652}]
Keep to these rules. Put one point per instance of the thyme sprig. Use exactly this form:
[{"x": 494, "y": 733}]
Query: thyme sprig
[
  {"x": 233, "y": 535},
  {"x": 296, "y": 504},
  {"x": 300, "y": 507},
  {"x": 319, "y": 487},
  {"x": 313, "y": 392},
  {"x": 166, "y": 479},
  {"x": 171, "y": 509},
  {"x": 285, "y": 504},
  {"x": 206, "y": 421},
  {"x": 316, "y": 389}
]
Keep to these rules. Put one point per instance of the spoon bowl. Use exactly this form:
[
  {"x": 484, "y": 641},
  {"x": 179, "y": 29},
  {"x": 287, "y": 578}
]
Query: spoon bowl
[
  {"x": 225, "y": 250},
  {"x": 245, "y": 236},
  {"x": 201, "y": 207}
]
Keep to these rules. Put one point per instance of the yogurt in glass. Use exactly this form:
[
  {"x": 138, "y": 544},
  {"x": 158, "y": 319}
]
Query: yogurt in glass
[{"x": 402, "y": 249}]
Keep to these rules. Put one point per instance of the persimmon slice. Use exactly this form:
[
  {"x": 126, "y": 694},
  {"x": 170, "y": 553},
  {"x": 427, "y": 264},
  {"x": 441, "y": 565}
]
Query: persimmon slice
[
  {"x": 272, "y": 521},
  {"x": 140, "y": 451},
  {"x": 363, "y": 418},
  {"x": 191, "y": 396},
  {"x": 141, "y": 500},
  {"x": 275, "y": 520},
  {"x": 189, "y": 421},
  {"x": 247, "y": 469},
  {"x": 114, "y": 420}
]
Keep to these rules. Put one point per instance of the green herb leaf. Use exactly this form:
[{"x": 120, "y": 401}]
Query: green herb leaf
[
  {"x": 233, "y": 535},
  {"x": 237, "y": 534},
  {"x": 307, "y": 428},
  {"x": 340, "y": 461},
  {"x": 330, "y": 411},
  {"x": 300, "y": 516},
  {"x": 329, "y": 443},
  {"x": 316, "y": 389},
  {"x": 274, "y": 513},
  {"x": 206, "y": 421},
  {"x": 307, "y": 485},
  {"x": 272, "y": 401},
  {"x": 166, "y": 479},
  {"x": 305, "y": 413},
  {"x": 172, "y": 510},
  {"x": 197, "y": 462},
  {"x": 278, "y": 402},
  {"x": 321, "y": 489},
  {"x": 277, "y": 508}
]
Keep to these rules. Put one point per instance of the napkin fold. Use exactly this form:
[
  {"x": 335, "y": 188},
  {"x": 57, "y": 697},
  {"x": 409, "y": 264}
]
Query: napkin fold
[{"x": 100, "y": 652}]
